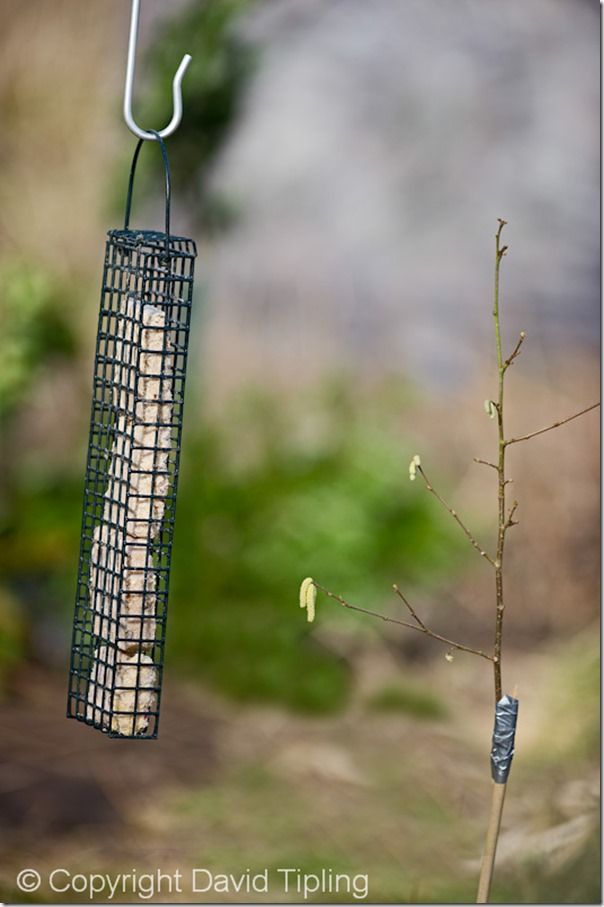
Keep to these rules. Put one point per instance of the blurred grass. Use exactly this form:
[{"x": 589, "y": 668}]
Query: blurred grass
[
  {"x": 572, "y": 703},
  {"x": 412, "y": 820},
  {"x": 577, "y": 670},
  {"x": 578, "y": 881},
  {"x": 325, "y": 826},
  {"x": 409, "y": 699}
]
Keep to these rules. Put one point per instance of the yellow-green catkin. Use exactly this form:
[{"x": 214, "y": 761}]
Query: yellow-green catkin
[
  {"x": 415, "y": 462},
  {"x": 489, "y": 408},
  {"x": 308, "y": 597}
]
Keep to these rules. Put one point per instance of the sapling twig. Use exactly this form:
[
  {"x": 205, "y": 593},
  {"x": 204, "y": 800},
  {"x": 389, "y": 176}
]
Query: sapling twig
[
  {"x": 419, "y": 625},
  {"x": 454, "y": 514},
  {"x": 505, "y": 521},
  {"x": 542, "y": 431}
]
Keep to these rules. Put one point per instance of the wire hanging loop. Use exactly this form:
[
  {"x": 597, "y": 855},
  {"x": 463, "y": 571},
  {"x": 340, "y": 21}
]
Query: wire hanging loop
[
  {"x": 129, "y": 85},
  {"x": 156, "y": 136}
]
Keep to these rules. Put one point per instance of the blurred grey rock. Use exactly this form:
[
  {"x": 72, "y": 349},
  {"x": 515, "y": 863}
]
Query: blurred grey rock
[{"x": 379, "y": 144}]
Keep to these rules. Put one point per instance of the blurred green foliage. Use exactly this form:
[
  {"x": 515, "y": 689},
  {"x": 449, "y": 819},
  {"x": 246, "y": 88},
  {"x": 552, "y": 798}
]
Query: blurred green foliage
[
  {"x": 213, "y": 90},
  {"x": 12, "y": 641},
  {"x": 35, "y": 538},
  {"x": 262, "y": 505},
  {"x": 267, "y": 496},
  {"x": 409, "y": 699},
  {"x": 34, "y": 328}
]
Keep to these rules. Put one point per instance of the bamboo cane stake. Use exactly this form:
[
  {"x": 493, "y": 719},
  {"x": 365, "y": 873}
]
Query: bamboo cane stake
[
  {"x": 492, "y": 836},
  {"x": 490, "y": 848}
]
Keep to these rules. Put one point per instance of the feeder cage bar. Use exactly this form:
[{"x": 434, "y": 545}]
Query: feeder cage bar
[{"x": 119, "y": 627}]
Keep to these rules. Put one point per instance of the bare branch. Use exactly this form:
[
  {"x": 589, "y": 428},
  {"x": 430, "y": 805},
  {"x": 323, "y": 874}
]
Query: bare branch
[
  {"x": 510, "y": 520},
  {"x": 541, "y": 431},
  {"x": 419, "y": 626},
  {"x": 485, "y": 463},
  {"x": 456, "y": 517},
  {"x": 515, "y": 352},
  {"x": 501, "y": 479},
  {"x": 409, "y": 606}
]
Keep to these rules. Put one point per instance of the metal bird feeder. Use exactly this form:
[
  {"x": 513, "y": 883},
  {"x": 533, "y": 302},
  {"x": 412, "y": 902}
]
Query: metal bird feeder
[{"x": 117, "y": 651}]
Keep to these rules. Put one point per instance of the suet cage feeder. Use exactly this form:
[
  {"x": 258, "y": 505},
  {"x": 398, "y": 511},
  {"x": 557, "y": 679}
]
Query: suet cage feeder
[{"x": 117, "y": 652}]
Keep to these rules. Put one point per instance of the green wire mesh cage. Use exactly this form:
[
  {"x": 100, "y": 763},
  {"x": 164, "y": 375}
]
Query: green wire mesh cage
[{"x": 117, "y": 651}]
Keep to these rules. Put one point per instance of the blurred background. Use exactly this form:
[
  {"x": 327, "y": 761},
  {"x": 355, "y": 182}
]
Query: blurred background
[{"x": 342, "y": 166}]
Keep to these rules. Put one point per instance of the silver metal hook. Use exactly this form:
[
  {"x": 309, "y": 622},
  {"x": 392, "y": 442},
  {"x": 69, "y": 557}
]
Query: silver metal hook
[{"x": 128, "y": 89}]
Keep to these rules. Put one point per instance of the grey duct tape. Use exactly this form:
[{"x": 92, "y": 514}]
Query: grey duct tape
[{"x": 504, "y": 733}]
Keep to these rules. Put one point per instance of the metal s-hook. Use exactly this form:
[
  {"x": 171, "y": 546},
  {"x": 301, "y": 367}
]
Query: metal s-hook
[{"x": 129, "y": 85}]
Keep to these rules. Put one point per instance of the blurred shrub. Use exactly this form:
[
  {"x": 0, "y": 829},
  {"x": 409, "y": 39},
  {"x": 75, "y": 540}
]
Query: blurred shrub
[
  {"x": 34, "y": 328},
  {"x": 261, "y": 506},
  {"x": 39, "y": 533},
  {"x": 39, "y": 540},
  {"x": 212, "y": 90},
  {"x": 267, "y": 496},
  {"x": 11, "y": 635}
]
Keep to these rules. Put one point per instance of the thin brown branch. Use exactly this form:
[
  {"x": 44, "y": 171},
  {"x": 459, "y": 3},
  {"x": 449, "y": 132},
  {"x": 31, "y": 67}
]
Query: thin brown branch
[
  {"x": 415, "y": 616},
  {"x": 485, "y": 463},
  {"x": 510, "y": 520},
  {"x": 515, "y": 352},
  {"x": 542, "y": 431},
  {"x": 501, "y": 479},
  {"x": 420, "y": 627},
  {"x": 456, "y": 517}
]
